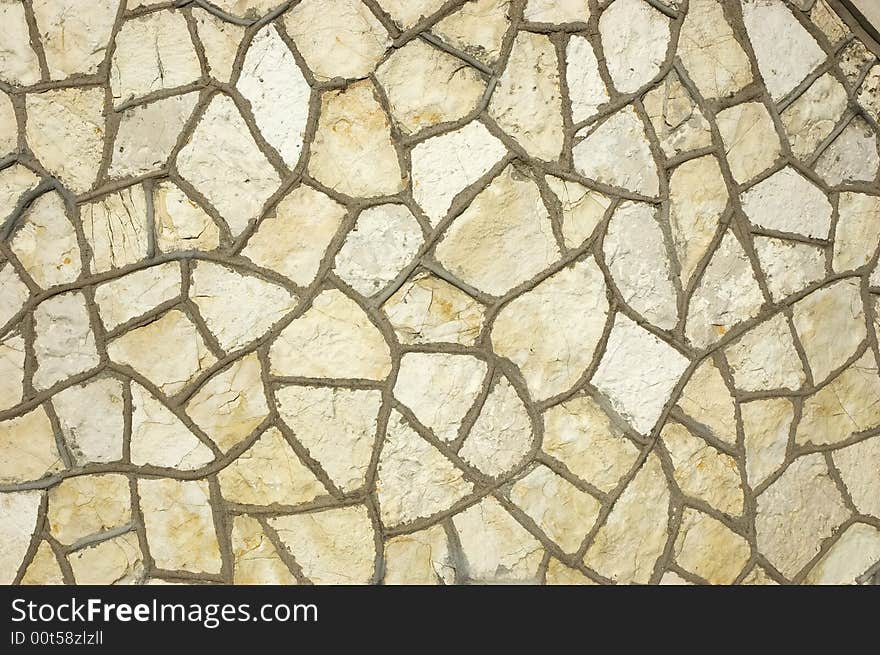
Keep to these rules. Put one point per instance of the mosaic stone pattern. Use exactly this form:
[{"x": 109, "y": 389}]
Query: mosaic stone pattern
[{"x": 426, "y": 291}]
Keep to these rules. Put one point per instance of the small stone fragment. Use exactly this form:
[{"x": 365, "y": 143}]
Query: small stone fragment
[
  {"x": 678, "y": 122},
  {"x": 582, "y": 209},
  {"x": 220, "y": 41},
  {"x": 44, "y": 568},
  {"x": 407, "y": 13},
  {"x": 28, "y": 448},
  {"x": 560, "y": 574},
  {"x": 18, "y": 521},
  {"x": 15, "y": 180},
  {"x": 115, "y": 561}
]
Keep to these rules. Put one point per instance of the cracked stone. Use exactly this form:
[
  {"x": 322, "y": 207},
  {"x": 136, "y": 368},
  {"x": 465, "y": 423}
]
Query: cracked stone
[
  {"x": 852, "y": 156},
  {"x": 27, "y": 443},
  {"x": 44, "y": 568},
  {"x": 789, "y": 266},
  {"x": 18, "y": 521},
  {"x": 15, "y": 180},
  {"x": 765, "y": 358},
  {"x": 74, "y": 36},
  {"x": 857, "y": 549},
  {"x": 858, "y": 230},
  {"x": 87, "y": 505},
  {"x": 477, "y": 28},
  {"x": 788, "y": 202},
  {"x": 582, "y": 209},
  {"x": 751, "y": 143},
  {"x": 126, "y": 297},
  {"x": 422, "y": 558},
  {"x": 766, "y": 426},
  {"x": 407, "y": 13},
  {"x": 180, "y": 223},
  {"x": 678, "y": 123},
  {"x": 707, "y": 400},
  {"x": 220, "y": 41},
  {"x": 13, "y": 293},
  {"x": 257, "y": 562},
  {"x": 811, "y": 118},
  {"x": 18, "y": 62},
  {"x": 859, "y": 467},
  {"x": 708, "y": 548},
  {"x": 115, "y": 561},
  {"x": 11, "y": 370}
]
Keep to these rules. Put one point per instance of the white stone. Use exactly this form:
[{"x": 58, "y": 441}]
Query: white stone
[
  {"x": 8, "y": 128},
  {"x": 750, "y": 139},
  {"x": 789, "y": 266},
  {"x": 28, "y": 448},
  {"x": 134, "y": 294},
  {"x": 852, "y": 156},
  {"x": 854, "y": 553},
  {"x": 65, "y": 344},
  {"x": 812, "y": 117},
  {"x": 557, "y": 11},
  {"x": 74, "y": 36},
  {"x": 116, "y": 228},
  {"x": 858, "y": 230},
  {"x": 181, "y": 223},
  {"x": 859, "y": 467},
  {"x": 678, "y": 122},
  {"x": 788, "y": 202},
  {"x": 586, "y": 89},
  {"x": 407, "y": 13},
  {"x": 18, "y": 62},
  {"x": 764, "y": 358},
  {"x": 13, "y": 293},
  {"x": 11, "y": 370},
  {"x": 477, "y": 28},
  {"x": 18, "y": 521},
  {"x": 46, "y": 246},
  {"x": 766, "y": 426},
  {"x": 422, "y": 557},
  {"x": 635, "y": 37},
  {"x": 582, "y": 209},
  {"x": 91, "y": 419},
  {"x": 15, "y": 180}
]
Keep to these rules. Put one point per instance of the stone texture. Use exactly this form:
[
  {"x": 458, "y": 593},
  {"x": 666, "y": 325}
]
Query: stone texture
[
  {"x": 766, "y": 426},
  {"x": 180, "y": 223},
  {"x": 857, "y": 234},
  {"x": 18, "y": 61},
  {"x": 11, "y": 370},
  {"x": 811, "y": 118},
  {"x": 852, "y": 156},
  {"x": 789, "y": 266},
  {"x": 478, "y": 28},
  {"x": 707, "y": 400},
  {"x": 635, "y": 37},
  {"x": 857, "y": 549},
  {"x": 28, "y": 446},
  {"x": 582, "y": 209},
  {"x": 74, "y": 37},
  {"x": 858, "y": 466},
  {"x": 136, "y": 293},
  {"x": 220, "y": 41},
  {"x": 586, "y": 89},
  {"x": 765, "y": 358},
  {"x": 115, "y": 561},
  {"x": 65, "y": 344},
  {"x": 420, "y": 558},
  {"x": 707, "y": 548},
  {"x": 677, "y": 121},
  {"x": 788, "y": 202},
  {"x": 44, "y": 568},
  {"x": 87, "y": 505},
  {"x": 46, "y": 244},
  {"x": 257, "y": 562},
  {"x": 116, "y": 229},
  {"x": 92, "y": 420}
]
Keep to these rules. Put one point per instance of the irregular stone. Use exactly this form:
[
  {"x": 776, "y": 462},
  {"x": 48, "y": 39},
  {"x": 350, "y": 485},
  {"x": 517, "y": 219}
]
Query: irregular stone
[
  {"x": 617, "y": 153},
  {"x": 333, "y": 546},
  {"x": 134, "y": 294},
  {"x": 634, "y": 37},
  {"x": 88, "y": 504},
  {"x": 852, "y": 156},
  {"x": 710, "y": 52},
  {"x": 168, "y": 351},
  {"x": 478, "y": 28},
  {"x": 260, "y": 304},
  {"x": 15, "y": 180},
  {"x": 65, "y": 130},
  {"x": 637, "y": 373},
  {"x": 560, "y": 574},
  {"x": 854, "y": 553},
  {"x": 352, "y": 151},
  {"x": 18, "y": 61},
  {"x": 11, "y": 370},
  {"x": 829, "y": 22},
  {"x": 148, "y": 133},
  {"x": 527, "y": 102},
  {"x": 44, "y": 568},
  {"x": 811, "y": 118},
  {"x": 46, "y": 246},
  {"x": 13, "y": 293},
  {"x": 765, "y": 358},
  {"x": 160, "y": 438},
  {"x": 333, "y": 338},
  {"x": 179, "y": 524},
  {"x": 18, "y": 521},
  {"x": 501, "y": 437},
  {"x": 358, "y": 38},
  {"x": 422, "y": 558},
  {"x": 8, "y": 129},
  {"x": 561, "y": 510},
  {"x": 788, "y": 266},
  {"x": 775, "y": 34},
  {"x": 427, "y": 309},
  {"x": 231, "y": 404},
  {"x": 256, "y": 560},
  {"x": 92, "y": 421},
  {"x": 788, "y": 202},
  {"x": 557, "y": 11},
  {"x": 247, "y": 8},
  {"x": 171, "y": 62},
  {"x": 831, "y": 325},
  {"x": 27, "y": 443},
  {"x": 224, "y": 164},
  {"x": 337, "y": 427},
  {"x": 481, "y": 244},
  {"x": 586, "y": 89},
  {"x": 220, "y": 41},
  {"x": 797, "y": 512},
  {"x": 278, "y": 93},
  {"x": 439, "y": 389},
  {"x": 766, "y": 426},
  {"x": 269, "y": 473},
  {"x": 294, "y": 240},
  {"x": 869, "y": 93},
  {"x": 495, "y": 547},
  {"x": 669, "y": 578},
  {"x": 115, "y": 561},
  {"x": 708, "y": 548},
  {"x": 65, "y": 343},
  {"x": 620, "y": 551},
  {"x": 859, "y": 467},
  {"x": 407, "y": 13},
  {"x": 115, "y": 228},
  {"x": 426, "y": 86},
  {"x": 414, "y": 479},
  {"x": 180, "y": 223},
  {"x": 853, "y": 60},
  {"x": 582, "y": 209},
  {"x": 446, "y": 164},
  {"x": 636, "y": 256},
  {"x": 858, "y": 230},
  {"x": 758, "y": 576},
  {"x": 707, "y": 400},
  {"x": 383, "y": 241},
  {"x": 552, "y": 331},
  {"x": 750, "y": 139},
  {"x": 678, "y": 123}
]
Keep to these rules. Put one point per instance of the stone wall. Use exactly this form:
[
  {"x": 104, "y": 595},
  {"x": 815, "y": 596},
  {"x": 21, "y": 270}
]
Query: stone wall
[{"x": 426, "y": 291}]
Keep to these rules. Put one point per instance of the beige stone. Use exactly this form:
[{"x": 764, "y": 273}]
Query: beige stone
[
  {"x": 758, "y": 576},
  {"x": 750, "y": 139},
  {"x": 18, "y": 521},
  {"x": 18, "y": 61},
  {"x": 11, "y": 370},
  {"x": 859, "y": 467},
  {"x": 789, "y": 266},
  {"x": 853, "y": 61},
  {"x": 65, "y": 343},
  {"x": 87, "y": 505},
  {"x": 854, "y": 553},
  {"x": 44, "y": 568},
  {"x": 678, "y": 122},
  {"x": 858, "y": 230},
  {"x": 869, "y": 93},
  {"x": 708, "y": 548},
  {"x": 256, "y": 561},
  {"x": 582, "y": 209},
  {"x": 13, "y": 293},
  {"x": 16, "y": 179},
  {"x": 46, "y": 244},
  {"x": 116, "y": 229},
  {"x": 8, "y": 130},
  {"x": 852, "y": 156},
  {"x": 220, "y": 41},
  {"x": 478, "y": 28},
  {"x": 788, "y": 202},
  {"x": 586, "y": 89},
  {"x": 407, "y": 13},
  {"x": 812, "y": 117},
  {"x": 422, "y": 558},
  {"x": 707, "y": 400},
  {"x": 247, "y": 8},
  {"x": 180, "y": 223},
  {"x": 557, "y": 11},
  {"x": 126, "y": 297},
  {"x": 115, "y": 561},
  {"x": 824, "y": 17},
  {"x": 560, "y": 574},
  {"x": 765, "y": 358},
  {"x": 634, "y": 37},
  {"x": 766, "y": 427},
  {"x": 91, "y": 419}
]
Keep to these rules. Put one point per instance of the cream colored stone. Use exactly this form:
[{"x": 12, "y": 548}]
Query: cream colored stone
[
  {"x": 697, "y": 199},
  {"x": 168, "y": 351},
  {"x": 160, "y": 438},
  {"x": 115, "y": 561},
  {"x": 703, "y": 472},
  {"x": 637, "y": 373},
  {"x": 223, "y": 163},
  {"x": 333, "y": 546},
  {"x": 634, "y": 535},
  {"x": 788, "y": 266},
  {"x": 426, "y": 86},
  {"x": 478, "y": 28},
  {"x": 13, "y": 293},
  {"x": 617, "y": 153},
  {"x": 636, "y": 256},
  {"x": 427, "y": 309},
  {"x": 269, "y": 473},
  {"x": 586, "y": 89},
  {"x": 11, "y": 370},
  {"x": 352, "y": 151},
  {"x": 562, "y": 511},
  {"x": 812, "y": 117},
  {"x": 333, "y": 338},
  {"x": 669, "y": 578},
  {"x": 439, "y": 389},
  {"x": 557, "y": 11},
  {"x": 552, "y": 331},
  {"x": 180, "y": 223},
  {"x": 336, "y": 426},
  {"x": 714, "y": 59},
  {"x": 247, "y": 8},
  {"x": 414, "y": 479},
  {"x": 16, "y": 179},
  {"x": 708, "y": 548},
  {"x": 788, "y": 202},
  {"x": 18, "y": 62},
  {"x": 634, "y": 37},
  {"x": 44, "y": 568},
  {"x": 831, "y": 324},
  {"x": 766, "y": 426},
  {"x": 852, "y": 156},
  {"x": 123, "y": 298},
  {"x": 407, "y": 13},
  {"x": 147, "y": 134},
  {"x": 342, "y": 39},
  {"x": 46, "y": 244},
  {"x": 560, "y": 574},
  {"x": 707, "y": 400},
  {"x": 65, "y": 343},
  {"x": 259, "y": 304},
  {"x": 256, "y": 560},
  {"x": 796, "y": 512},
  {"x": 170, "y": 62},
  {"x": 179, "y": 524},
  {"x": 92, "y": 420},
  {"x": 116, "y": 229},
  {"x": 231, "y": 404},
  {"x": 853, "y": 61},
  {"x": 758, "y": 576},
  {"x": 869, "y": 93},
  {"x": 220, "y": 41},
  {"x": 88, "y": 504},
  {"x": 28, "y": 448},
  {"x": 857, "y": 550},
  {"x": 496, "y": 548},
  {"x": 18, "y": 521},
  {"x": 750, "y": 139},
  {"x": 859, "y": 467},
  {"x": 445, "y": 165},
  {"x": 527, "y": 102},
  {"x": 858, "y": 230},
  {"x": 765, "y": 358},
  {"x": 482, "y": 244},
  {"x": 294, "y": 240},
  {"x": 678, "y": 123},
  {"x": 501, "y": 437},
  {"x": 582, "y": 209},
  {"x": 278, "y": 93},
  {"x": 422, "y": 558},
  {"x": 8, "y": 130},
  {"x": 829, "y": 22}
]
